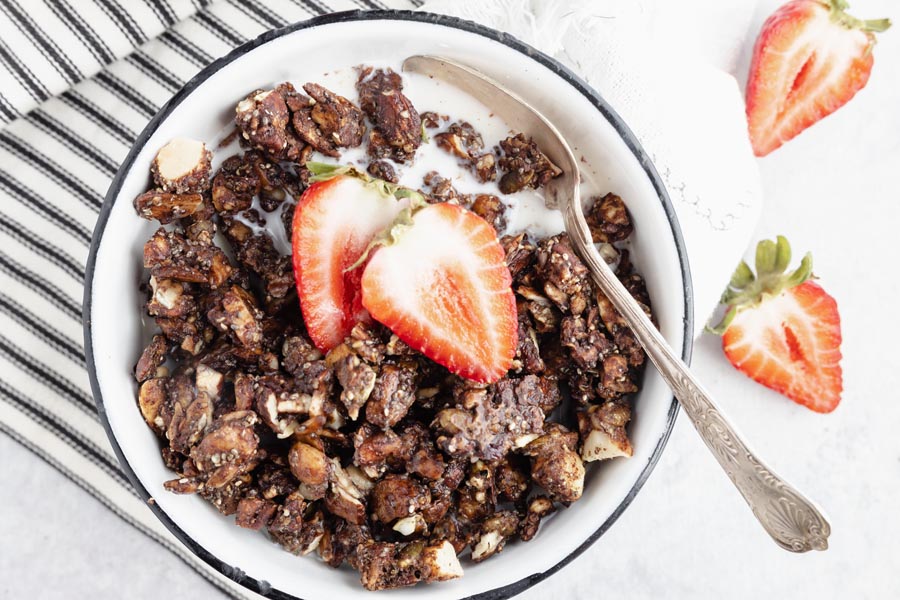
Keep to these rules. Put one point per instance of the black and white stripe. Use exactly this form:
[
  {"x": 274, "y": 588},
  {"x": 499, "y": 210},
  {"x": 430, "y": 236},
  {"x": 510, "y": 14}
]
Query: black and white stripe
[{"x": 80, "y": 81}]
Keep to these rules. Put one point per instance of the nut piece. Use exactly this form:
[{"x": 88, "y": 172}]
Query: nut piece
[
  {"x": 170, "y": 299},
  {"x": 407, "y": 526},
  {"x": 603, "y": 431},
  {"x": 182, "y": 167}
]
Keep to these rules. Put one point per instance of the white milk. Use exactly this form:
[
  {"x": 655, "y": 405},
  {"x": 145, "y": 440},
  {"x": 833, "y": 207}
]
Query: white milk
[{"x": 525, "y": 209}]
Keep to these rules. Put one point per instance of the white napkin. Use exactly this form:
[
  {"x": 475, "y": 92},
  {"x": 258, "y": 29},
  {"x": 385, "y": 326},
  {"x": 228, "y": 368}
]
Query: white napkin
[{"x": 672, "y": 81}]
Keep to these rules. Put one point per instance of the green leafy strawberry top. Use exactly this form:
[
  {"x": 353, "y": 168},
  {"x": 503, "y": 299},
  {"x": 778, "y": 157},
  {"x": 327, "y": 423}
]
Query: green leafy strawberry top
[{"x": 746, "y": 290}]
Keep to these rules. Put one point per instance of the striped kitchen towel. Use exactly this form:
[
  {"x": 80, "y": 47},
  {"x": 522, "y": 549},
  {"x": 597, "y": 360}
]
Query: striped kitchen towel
[{"x": 79, "y": 79}]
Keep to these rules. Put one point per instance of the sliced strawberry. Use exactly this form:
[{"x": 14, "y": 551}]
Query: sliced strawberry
[
  {"x": 784, "y": 331},
  {"x": 810, "y": 59},
  {"x": 333, "y": 224},
  {"x": 444, "y": 288}
]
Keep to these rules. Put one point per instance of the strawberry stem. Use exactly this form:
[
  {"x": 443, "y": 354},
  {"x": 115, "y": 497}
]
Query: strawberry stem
[
  {"x": 746, "y": 290},
  {"x": 839, "y": 15}
]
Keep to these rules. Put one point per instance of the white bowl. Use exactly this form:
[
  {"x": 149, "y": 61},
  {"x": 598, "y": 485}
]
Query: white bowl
[{"x": 114, "y": 329}]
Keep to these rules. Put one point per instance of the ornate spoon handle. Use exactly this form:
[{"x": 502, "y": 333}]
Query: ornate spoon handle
[{"x": 791, "y": 519}]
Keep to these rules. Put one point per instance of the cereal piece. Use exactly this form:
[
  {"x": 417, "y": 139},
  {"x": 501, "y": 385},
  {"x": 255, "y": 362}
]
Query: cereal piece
[
  {"x": 393, "y": 393},
  {"x": 274, "y": 480},
  {"x": 188, "y": 413},
  {"x": 441, "y": 190},
  {"x": 254, "y": 513},
  {"x": 511, "y": 412},
  {"x": 341, "y": 540},
  {"x": 151, "y": 358},
  {"x": 228, "y": 449},
  {"x": 227, "y": 497},
  {"x": 166, "y": 207},
  {"x": 355, "y": 375},
  {"x": 519, "y": 254},
  {"x": 397, "y": 496},
  {"x": 273, "y": 181},
  {"x": 524, "y": 165},
  {"x": 489, "y": 208},
  {"x": 170, "y": 299},
  {"x": 477, "y": 493},
  {"x": 397, "y": 129},
  {"x": 432, "y": 120},
  {"x": 237, "y": 314},
  {"x": 151, "y": 399},
  {"x": 339, "y": 120},
  {"x": 493, "y": 534},
  {"x": 608, "y": 220},
  {"x": 464, "y": 142},
  {"x": 234, "y": 185},
  {"x": 263, "y": 119},
  {"x": 256, "y": 252},
  {"x": 312, "y": 468},
  {"x": 555, "y": 465},
  {"x": 586, "y": 343},
  {"x": 382, "y": 169},
  {"x": 343, "y": 498},
  {"x": 603, "y": 431},
  {"x": 376, "y": 451},
  {"x": 538, "y": 508},
  {"x": 289, "y": 528},
  {"x": 384, "y": 565},
  {"x": 512, "y": 478},
  {"x": 182, "y": 166},
  {"x": 169, "y": 255},
  {"x": 565, "y": 277}
]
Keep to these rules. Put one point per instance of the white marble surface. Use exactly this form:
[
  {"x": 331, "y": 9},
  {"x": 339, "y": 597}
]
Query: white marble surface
[{"x": 687, "y": 534}]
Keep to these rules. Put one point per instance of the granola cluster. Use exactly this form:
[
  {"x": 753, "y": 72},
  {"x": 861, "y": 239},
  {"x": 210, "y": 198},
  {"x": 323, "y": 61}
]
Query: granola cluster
[{"x": 369, "y": 454}]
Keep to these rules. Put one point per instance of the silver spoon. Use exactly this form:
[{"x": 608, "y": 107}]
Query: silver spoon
[{"x": 791, "y": 519}]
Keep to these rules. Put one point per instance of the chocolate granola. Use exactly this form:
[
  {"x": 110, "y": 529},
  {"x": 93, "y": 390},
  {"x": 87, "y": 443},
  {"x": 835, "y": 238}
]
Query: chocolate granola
[{"x": 371, "y": 454}]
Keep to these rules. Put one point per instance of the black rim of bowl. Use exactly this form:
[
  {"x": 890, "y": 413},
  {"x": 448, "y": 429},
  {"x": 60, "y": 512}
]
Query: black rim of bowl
[{"x": 572, "y": 79}]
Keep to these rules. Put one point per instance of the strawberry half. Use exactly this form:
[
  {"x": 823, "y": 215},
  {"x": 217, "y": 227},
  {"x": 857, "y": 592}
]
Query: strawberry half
[
  {"x": 444, "y": 288},
  {"x": 810, "y": 58},
  {"x": 783, "y": 330},
  {"x": 334, "y": 222}
]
